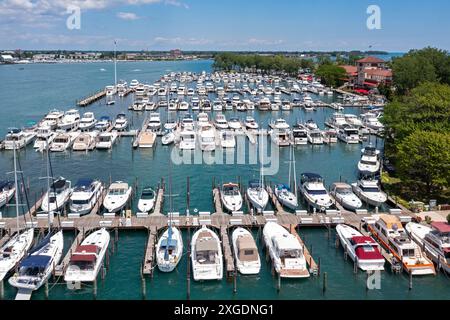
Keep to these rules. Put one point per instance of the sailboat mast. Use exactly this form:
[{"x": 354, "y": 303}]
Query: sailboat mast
[
  {"x": 16, "y": 186},
  {"x": 115, "y": 65},
  {"x": 48, "y": 185},
  {"x": 290, "y": 165}
]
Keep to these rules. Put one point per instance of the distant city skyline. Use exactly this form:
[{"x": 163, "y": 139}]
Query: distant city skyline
[{"x": 231, "y": 25}]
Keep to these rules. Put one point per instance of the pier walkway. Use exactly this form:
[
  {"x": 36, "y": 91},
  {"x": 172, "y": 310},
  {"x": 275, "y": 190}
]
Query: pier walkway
[
  {"x": 150, "y": 254},
  {"x": 91, "y": 99},
  {"x": 227, "y": 252}
]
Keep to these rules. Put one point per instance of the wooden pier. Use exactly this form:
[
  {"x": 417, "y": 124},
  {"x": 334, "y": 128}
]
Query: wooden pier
[
  {"x": 313, "y": 267},
  {"x": 274, "y": 199},
  {"x": 150, "y": 254},
  {"x": 91, "y": 99},
  {"x": 140, "y": 132},
  {"x": 159, "y": 200},
  {"x": 60, "y": 269},
  {"x": 227, "y": 252},
  {"x": 217, "y": 201}
]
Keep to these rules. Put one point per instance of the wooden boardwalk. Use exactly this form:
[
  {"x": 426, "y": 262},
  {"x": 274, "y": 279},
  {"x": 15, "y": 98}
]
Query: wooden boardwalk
[
  {"x": 274, "y": 199},
  {"x": 313, "y": 267},
  {"x": 227, "y": 252},
  {"x": 61, "y": 268},
  {"x": 140, "y": 132},
  {"x": 159, "y": 201},
  {"x": 91, "y": 99},
  {"x": 217, "y": 201},
  {"x": 150, "y": 254}
]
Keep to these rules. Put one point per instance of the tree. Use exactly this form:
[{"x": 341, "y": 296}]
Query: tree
[
  {"x": 331, "y": 74},
  {"x": 424, "y": 161}
]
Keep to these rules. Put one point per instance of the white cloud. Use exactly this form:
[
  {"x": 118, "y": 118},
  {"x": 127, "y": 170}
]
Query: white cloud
[{"x": 127, "y": 16}]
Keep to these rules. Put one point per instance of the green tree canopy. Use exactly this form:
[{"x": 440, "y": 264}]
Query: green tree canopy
[{"x": 331, "y": 74}]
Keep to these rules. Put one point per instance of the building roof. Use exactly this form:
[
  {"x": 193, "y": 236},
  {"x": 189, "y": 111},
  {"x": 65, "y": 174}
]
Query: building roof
[
  {"x": 442, "y": 227},
  {"x": 370, "y": 59},
  {"x": 351, "y": 70},
  {"x": 378, "y": 72}
]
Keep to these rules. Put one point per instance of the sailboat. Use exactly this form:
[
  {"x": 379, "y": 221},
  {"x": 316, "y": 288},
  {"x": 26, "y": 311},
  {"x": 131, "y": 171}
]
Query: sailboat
[
  {"x": 256, "y": 191},
  {"x": 37, "y": 267},
  {"x": 15, "y": 249},
  {"x": 169, "y": 248},
  {"x": 283, "y": 192}
]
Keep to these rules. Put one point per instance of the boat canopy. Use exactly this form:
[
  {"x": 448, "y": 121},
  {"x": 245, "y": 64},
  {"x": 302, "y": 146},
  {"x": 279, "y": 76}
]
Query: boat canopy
[
  {"x": 441, "y": 227},
  {"x": 14, "y": 130},
  {"x": 206, "y": 245},
  {"x": 6, "y": 185},
  {"x": 312, "y": 176},
  {"x": 172, "y": 243},
  {"x": 59, "y": 184},
  {"x": 83, "y": 183},
  {"x": 253, "y": 184},
  {"x": 247, "y": 249},
  {"x": 283, "y": 186},
  {"x": 90, "y": 248},
  {"x": 37, "y": 261},
  {"x": 83, "y": 258}
]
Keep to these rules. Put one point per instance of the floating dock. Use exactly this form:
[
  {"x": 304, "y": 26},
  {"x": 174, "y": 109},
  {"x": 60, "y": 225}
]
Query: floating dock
[{"x": 91, "y": 99}]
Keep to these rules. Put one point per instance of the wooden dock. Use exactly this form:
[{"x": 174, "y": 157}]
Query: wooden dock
[
  {"x": 227, "y": 252},
  {"x": 150, "y": 254},
  {"x": 217, "y": 201},
  {"x": 91, "y": 99},
  {"x": 274, "y": 199},
  {"x": 313, "y": 267},
  {"x": 159, "y": 201},
  {"x": 140, "y": 132},
  {"x": 61, "y": 268}
]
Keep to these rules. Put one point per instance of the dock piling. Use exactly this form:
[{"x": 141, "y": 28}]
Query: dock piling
[
  {"x": 46, "y": 289},
  {"x": 324, "y": 288},
  {"x": 279, "y": 283},
  {"x": 95, "y": 289},
  {"x": 410, "y": 281},
  {"x": 2, "y": 290}
]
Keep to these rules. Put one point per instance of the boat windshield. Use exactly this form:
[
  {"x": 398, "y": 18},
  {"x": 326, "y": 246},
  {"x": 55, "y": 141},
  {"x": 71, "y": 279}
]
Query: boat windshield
[
  {"x": 408, "y": 253},
  {"x": 317, "y": 192},
  {"x": 344, "y": 191},
  {"x": 231, "y": 191},
  {"x": 117, "y": 192},
  {"x": 147, "y": 195},
  {"x": 370, "y": 189},
  {"x": 369, "y": 162},
  {"x": 79, "y": 202},
  {"x": 290, "y": 254}
]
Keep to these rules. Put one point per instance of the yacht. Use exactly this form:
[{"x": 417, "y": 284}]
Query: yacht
[
  {"x": 147, "y": 200},
  {"x": 363, "y": 250},
  {"x": 311, "y": 125},
  {"x": 85, "y": 195},
  {"x": 187, "y": 139},
  {"x": 121, "y": 122},
  {"x": 221, "y": 122},
  {"x": 372, "y": 122},
  {"x": 314, "y": 191},
  {"x": 154, "y": 123},
  {"x": 315, "y": 136},
  {"x": 257, "y": 195},
  {"x": 389, "y": 231},
  {"x": 281, "y": 137},
  {"x": 44, "y": 135},
  {"x": 183, "y": 106},
  {"x": 231, "y": 197},
  {"x": 169, "y": 249},
  {"x": 228, "y": 105},
  {"x": 190, "y": 92},
  {"x": 63, "y": 141},
  {"x": 119, "y": 193},
  {"x": 150, "y": 106},
  {"x": 369, "y": 164},
  {"x": 57, "y": 196},
  {"x": 206, "y": 105},
  {"x": 52, "y": 119},
  {"x": 227, "y": 140},
  {"x": 87, "y": 259},
  {"x": 18, "y": 139},
  {"x": 110, "y": 90},
  {"x": 85, "y": 141},
  {"x": 369, "y": 192},
  {"x": 103, "y": 124},
  {"x": 234, "y": 124},
  {"x": 87, "y": 122},
  {"x": 336, "y": 121},
  {"x": 264, "y": 104},
  {"x": 134, "y": 84},
  {"x": 70, "y": 121},
  {"x": 435, "y": 241},
  {"x": 285, "y": 251},
  {"x": 106, "y": 140},
  {"x": 170, "y": 124},
  {"x": 330, "y": 136},
  {"x": 168, "y": 138},
  {"x": 217, "y": 105},
  {"x": 245, "y": 252},
  {"x": 348, "y": 134},
  {"x": 195, "y": 102},
  {"x": 353, "y": 120},
  {"x": 181, "y": 90},
  {"x": 299, "y": 135},
  {"x": 286, "y": 105},
  {"x": 38, "y": 266},
  {"x": 250, "y": 123},
  {"x": 7, "y": 190},
  {"x": 13, "y": 251},
  {"x": 280, "y": 124},
  {"x": 343, "y": 194},
  {"x": 202, "y": 120},
  {"x": 206, "y": 255},
  {"x": 162, "y": 92},
  {"x": 207, "y": 136}
]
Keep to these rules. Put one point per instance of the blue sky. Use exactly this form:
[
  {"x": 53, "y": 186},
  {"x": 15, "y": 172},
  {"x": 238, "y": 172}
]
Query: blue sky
[{"x": 224, "y": 25}]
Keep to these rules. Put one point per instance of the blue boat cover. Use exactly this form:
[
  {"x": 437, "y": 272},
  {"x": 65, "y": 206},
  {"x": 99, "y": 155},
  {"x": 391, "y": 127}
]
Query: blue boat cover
[
  {"x": 172, "y": 243},
  {"x": 37, "y": 261},
  {"x": 42, "y": 243},
  {"x": 312, "y": 176},
  {"x": 6, "y": 184},
  {"x": 85, "y": 182},
  {"x": 283, "y": 186},
  {"x": 254, "y": 184}
]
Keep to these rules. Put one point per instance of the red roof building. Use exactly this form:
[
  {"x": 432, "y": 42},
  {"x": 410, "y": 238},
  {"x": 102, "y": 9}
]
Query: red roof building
[{"x": 372, "y": 71}]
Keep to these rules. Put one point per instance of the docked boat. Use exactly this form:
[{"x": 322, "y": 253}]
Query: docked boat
[
  {"x": 18, "y": 139},
  {"x": 389, "y": 231},
  {"x": 121, "y": 122},
  {"x": 103, "y": 124},
  {"x": 231, "y": 197},
  {"x": 85, "y": 195},
  {"x": 371, "y": 121},
  {"x": 285, "y": 251},
  {"x": 57, "y": 196},
  {"x": 369, "y": 191},
  {"x": 134, "y": 84},
  {"x": 217, "y": 105},
  {"x": 363, "y": 250},
  {"x": 206, "y": 105},
  {"x": 348, "y": 134},
  {"x": 110, "y": 90},
  {"x": 315, "y": 136},
  {"x": 227, "y": 140},
  {"x": 314, "y": 191},
  {"x": 86, "y": 262},
  {"x": 168, "y": 138},
  {"x": 7, "y": 190},
  {"x": 245, "y": 252},
  {"x": 147, "y": 200},
  {"x": 183, "y": 106},
  {"x": 202, "y": 119},
  {"x": 187, "y": 140},
  {"x": 52, "y": 119},
  {"x": 286, "y": 197},
  {"x": 187, "y": 123},
  {"x": 207, "y": 137},
  {"x": 250, "y": 123},
  {"x": 343, "y": 194},
  {"x": 119, "y": 193},
  {"x": 434, "y": 240},
  {"x": 286, "y": 105},
  {"x": 85, "y": 141},
  {"x": 13, "y": 251},
  {"x": 264, "y": 104},
  {"x": 106, "y": 140},
  {"x": 70, "y": 121},
  {"x": 63, "y": 141},
  {"x": 336, "y": 121},
  {"x": 299, "y": 135},
  {"x": 311, "y": 125},
  {"x": 170, "y": 125},
  {"x": 38, "y": 266},
  {"x": 44, "y": 135},
  {"x": 257, "y": 195},
  {"x": 353, "y": 120},
  {"x": 369, "y": 164},
  {"x": 234, "y": 124},
  {"x": 87, "y": 122},
  {"x": 330, "y": 136},
  {"x": 169, "y": 249},
  {"x": 206, "y": 255},
  {"x": 221, "y": 122}
]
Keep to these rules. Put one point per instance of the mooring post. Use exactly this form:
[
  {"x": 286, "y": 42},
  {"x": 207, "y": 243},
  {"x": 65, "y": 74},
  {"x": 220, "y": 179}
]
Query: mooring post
[
  {"x": 355, "y": 266},
  {"x": 107, "y": 258},
  {"x": 46, "y": 289},
  {"x": 324, "y": 288},
  {"x": 279, "y": 283},
  {"x": 103, "y": 270},
  {"x": 2, "y": 290},
  {"x": 235, "y": 281},
  {"x": 410, "y": 280}
]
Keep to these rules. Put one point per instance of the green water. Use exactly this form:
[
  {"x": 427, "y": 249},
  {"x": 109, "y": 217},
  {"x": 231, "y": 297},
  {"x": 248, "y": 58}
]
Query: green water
[{"x": 28, "y": 94}]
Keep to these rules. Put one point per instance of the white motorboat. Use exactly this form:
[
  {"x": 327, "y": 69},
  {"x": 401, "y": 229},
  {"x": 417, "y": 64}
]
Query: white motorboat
[
  {"x": 134, "y": 84},
  {"x": 85, "y": 195},
  {"x": 169, "y": 249},
  {"x": 286, "y": 105},
  {"x": 38, "y": 266},
  {"x": 154, "y": 122},
  {"x": 221, "y": 122},
  {"x": 195, "y": 103},
  {"x": 44, "y": 135},
  {"x": 285, "y": 251},
  {"x": 85, "y": 141},
  {"x": 314, "y": 191},
  {"x": 206, "y": 105},
  {"x": 206, "y": 136},
  {"x": 106, "y": 140},
  {"x": 206, "y": 255},
  {"x": 353, "y": 120},
  {"x": 63, "y": 141},
  {"x": 121, "y": 122},
  {"x": 52, "y": 119},
  {"x": 147, "y": 200},
  {"x": 119, "y": 193},
  {"x": 234, "y": 124},
  {"x": 18, "y": 139},
  {"x": 363, "y": 250},
  {"x": 369, "y": 164},
  {"x": 86, "y": 262},
  {"x": 110, "y": 90},
  {"x": 87, "y": 122},
  {"x": 103, "y": 124},
  {"x": 245, "y": 252},
  {"x": 217, "y": 105},
  {"x": 187, "y": 140},
  {"x": 231, "y": 197},
  {"x": 202, "y": 119},
  {"x": 348, "y": 134},
  {"x": 170, "y": 125},
  {"x": 299, "y": 135},
  {"x": 343, "y": 194},
  {"x": 337, "y": 121},
  {"x": 315, "y": 136},
  {"x": 389, "y": 231},
  {"x": 227, "y": 140},
  {"x": 371, "y": 121},
  {"x": 369, "y": 191},
  {"x": 187, "y": 123},
  {"x": 311, "y": 125},
  {"x": 183, "y": 106},
  {"x": 57, "y": 196},
  {"x": 70, "y": 121},
  {"x": 264, "y": 104},
  {"x": 250, "y": 123},
  {"x": 168, "y": 138},
  {"x": 13, "y": 251},
  {"x": 434, "y": 240},
  {"x": 257, "y": 195},
  {"x": 7, "y": 190}
]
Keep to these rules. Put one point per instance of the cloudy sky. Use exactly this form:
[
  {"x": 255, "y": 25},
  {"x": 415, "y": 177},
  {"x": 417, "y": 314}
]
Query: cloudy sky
[{"x": 223, "y": 24}]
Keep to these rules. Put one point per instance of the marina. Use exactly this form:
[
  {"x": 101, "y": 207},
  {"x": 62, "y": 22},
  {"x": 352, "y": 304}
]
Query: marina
[{"x": 132, "y": 255}]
